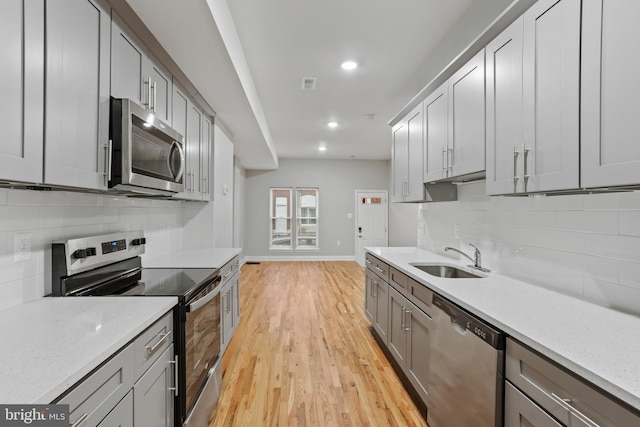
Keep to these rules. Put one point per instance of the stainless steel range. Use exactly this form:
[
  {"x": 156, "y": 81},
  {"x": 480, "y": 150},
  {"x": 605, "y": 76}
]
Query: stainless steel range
[{"x": 111, "y": 265}]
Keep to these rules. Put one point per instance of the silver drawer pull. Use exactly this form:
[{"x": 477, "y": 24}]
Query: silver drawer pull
[
  {"x": 156, "y": 346},
  {"x": 80, "y": 420},
  {"x": 566, "y": 405},
  {"x": 379, "y": 269},
  {"x": 367, "y": 261},
  {"x": 227, "y": 274},
  {"x": 174, "y": 362}
]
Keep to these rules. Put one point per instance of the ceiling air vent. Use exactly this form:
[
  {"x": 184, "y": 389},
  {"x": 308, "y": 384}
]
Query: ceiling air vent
[{"x": 308, "y": 83}]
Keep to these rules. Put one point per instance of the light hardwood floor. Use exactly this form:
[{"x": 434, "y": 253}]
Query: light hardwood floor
[{"x": 303, "y": 355}]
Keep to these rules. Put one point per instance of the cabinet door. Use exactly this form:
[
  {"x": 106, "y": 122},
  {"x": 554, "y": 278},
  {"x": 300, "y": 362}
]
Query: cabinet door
[
  {"x": 121, "y": 415},
  {"x": 397, "y": 336},
  {"x": 205, "y": 158},
  {"x": 419, "y": 327},
  {"x": 127, "y": 58},
  {"x": 436, "y": 111},
  {"x": 466, "y": 118},
  {"x": 551, "y": 77},
  {"x": 77, "y": 92},
  {"x": 504, "y": 111},
  {"x": 226, "y": 316},
  {"x": 153, "y": 394},
  {"x": 519, "y": 411},
  {"x": 194, "y": 137},
  {"x": 179, "y": 108},
  {"x": 399, "y": 162},
  {"x": 21, "y": 85},
  {"x": 370, "y": 297},
  {"x": 158, "y": 84},
  {"x": 382, "y": 309},
  {"x": 610, "y": 92},
  {"x": 415, "y": 144},
  {"x": 235, "y": 299}
]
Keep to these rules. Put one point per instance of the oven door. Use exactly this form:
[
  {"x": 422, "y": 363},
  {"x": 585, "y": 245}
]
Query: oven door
[{"x": 202, "y": 343}]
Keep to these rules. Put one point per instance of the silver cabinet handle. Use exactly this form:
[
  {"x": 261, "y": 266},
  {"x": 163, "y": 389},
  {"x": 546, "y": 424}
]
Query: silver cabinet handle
[
  {"x": 174, "y": 362},
  {"x": 407, "y": 324},
  {"x": 80, "y": 420},
  {"x": 367, "y": 261},
  {"x": 525, "y": 176},
  {"x": 193, "y": 181},
  {"x": 515, "y": 169},
  {"x": 148, "y": 104},
  {"x": 154, "y": 86},
  {"x": 158, "y": 345},
  {"x": 402, "y": 325},
  {"x": 380, "y": 270},
  {"x": 449, "y": 161},
  {"x": 204, "y": 185},
  {"x": 108, "y": 157},
  {"x": 374, "y": 288},
  {"x": 566, "y": 405},
  {"x": 444, "y": 161}
]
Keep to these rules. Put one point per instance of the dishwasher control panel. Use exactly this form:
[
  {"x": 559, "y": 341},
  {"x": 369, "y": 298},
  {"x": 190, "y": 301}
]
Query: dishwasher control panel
[{"x": 467, "y": 321}]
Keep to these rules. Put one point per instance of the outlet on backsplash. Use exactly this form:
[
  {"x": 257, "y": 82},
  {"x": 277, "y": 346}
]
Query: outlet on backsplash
[{"x": 22, "y": 247}]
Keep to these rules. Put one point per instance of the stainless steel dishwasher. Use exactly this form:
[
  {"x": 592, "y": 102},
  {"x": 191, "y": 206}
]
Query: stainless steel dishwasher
[{"x": 466, "y": 381}]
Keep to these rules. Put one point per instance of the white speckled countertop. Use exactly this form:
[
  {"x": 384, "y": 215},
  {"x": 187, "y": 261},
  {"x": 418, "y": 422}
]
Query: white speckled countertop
[
  {"x": 196, "y": 258},
  {"x": 597, "y": 343},
  {"x": 51, "y": 343}
]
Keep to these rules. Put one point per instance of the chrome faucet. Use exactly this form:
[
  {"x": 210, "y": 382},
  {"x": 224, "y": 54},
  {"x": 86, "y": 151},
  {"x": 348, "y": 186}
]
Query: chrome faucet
[{"x": 477, "y": 257}]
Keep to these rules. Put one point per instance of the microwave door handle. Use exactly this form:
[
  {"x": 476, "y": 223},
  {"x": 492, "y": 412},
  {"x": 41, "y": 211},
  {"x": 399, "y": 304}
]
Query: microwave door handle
[{"x": 174, "y": 146}]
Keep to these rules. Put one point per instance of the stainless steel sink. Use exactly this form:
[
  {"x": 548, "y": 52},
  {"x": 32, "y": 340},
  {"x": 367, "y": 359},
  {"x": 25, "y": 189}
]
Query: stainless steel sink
[{"x": 447, "y": 271}]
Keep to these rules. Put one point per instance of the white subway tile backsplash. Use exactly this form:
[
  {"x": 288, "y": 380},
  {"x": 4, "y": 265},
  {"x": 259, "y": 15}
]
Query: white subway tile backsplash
[
  {"x": 585, "y": 245},
  {"x": 588, "y": 221}
]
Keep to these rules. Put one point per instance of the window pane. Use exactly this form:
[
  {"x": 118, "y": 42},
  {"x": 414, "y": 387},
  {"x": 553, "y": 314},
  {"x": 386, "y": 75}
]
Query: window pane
[
  {"x": 307, "y": 217},
  {"x": 281, "y": 217}
]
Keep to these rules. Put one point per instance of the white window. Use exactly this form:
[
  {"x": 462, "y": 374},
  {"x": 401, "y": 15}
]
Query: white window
[
  {"x": 305, "y": 233},
  {"x": 281, "y": 218},
  {"x": 307, "y": 218}
]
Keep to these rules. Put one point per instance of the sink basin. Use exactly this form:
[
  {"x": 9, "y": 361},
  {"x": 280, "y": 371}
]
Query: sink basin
[{"x": 447, "y": 271}]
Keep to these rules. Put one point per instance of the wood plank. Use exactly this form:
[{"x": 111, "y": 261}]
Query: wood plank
[{"x": 303, "y": 354}]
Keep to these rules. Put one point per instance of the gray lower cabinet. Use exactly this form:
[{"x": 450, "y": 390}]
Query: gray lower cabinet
[
  {"x": 121, "y": 415},
  {"x": 377, "y": 304},
  {"x": 136, "y": 387},
  {"x": 410, "y": 340},
  {"x": 539, "y": 393},
  {"x": 229, "y": 301},
  {"x": 153, "y": 393},
  {"x": 77, "y": 96}
]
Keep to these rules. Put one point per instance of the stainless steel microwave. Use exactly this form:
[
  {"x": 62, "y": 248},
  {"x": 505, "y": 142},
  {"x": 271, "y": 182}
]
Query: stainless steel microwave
[{"x": 147, "y": 156}]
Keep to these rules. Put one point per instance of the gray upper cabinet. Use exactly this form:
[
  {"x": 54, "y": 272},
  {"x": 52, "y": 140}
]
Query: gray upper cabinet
[
  {"x": 465, "y": 152},
  {"x": 21, "y": 85},
  {"x": 610, "y": 92},
  {"x": 551, "y": 96},
  {"x": 135, "y": 75},
  {"x": 206, "y": 176},
  {"x": 533, "y": 101},
  {"x": 408, "y": 143},
  {"x": 504, "y": 111},
  {"x": 399, "y": 153},
  {"x": 77, "y": 93},
  {"x": 436, "y": 132}
]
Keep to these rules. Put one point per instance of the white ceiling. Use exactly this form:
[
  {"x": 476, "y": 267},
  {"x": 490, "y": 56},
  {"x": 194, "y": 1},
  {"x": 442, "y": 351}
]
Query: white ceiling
[{"x": 248, "y": 58}]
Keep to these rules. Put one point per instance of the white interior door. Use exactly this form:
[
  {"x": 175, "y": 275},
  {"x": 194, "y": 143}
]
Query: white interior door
[{"x": 371, "y": 221}]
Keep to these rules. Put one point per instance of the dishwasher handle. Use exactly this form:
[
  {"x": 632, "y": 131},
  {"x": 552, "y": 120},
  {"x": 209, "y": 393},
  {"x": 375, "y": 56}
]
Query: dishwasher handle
[{"x": 466, "y": 321}]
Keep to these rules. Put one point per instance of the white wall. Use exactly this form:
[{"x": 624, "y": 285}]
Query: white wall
[
  {"x": 223, "y": 193},
  {"x": 337, "y": 181},
  {"x": 587, "y": 246},
  {"x": 57, "y": 215},
  {"x": 239, "y": 211}
]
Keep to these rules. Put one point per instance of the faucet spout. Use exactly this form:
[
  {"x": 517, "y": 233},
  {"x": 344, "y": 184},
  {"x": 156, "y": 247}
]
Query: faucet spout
[{"x": 477, "y": 257}]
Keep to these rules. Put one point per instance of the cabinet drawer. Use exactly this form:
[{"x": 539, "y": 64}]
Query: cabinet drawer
[
  {"x": 420, "y": 295},
  {"x": 228, "y": 270},
  {"x": 520, "y": 411},
  {"x": 97, "y": 395},
  {"x": 564, "y": 395},
  {"x": 398, "y": 280},
  {"x": 377, "y": 266},
  {"x": 152, "y": 343}
]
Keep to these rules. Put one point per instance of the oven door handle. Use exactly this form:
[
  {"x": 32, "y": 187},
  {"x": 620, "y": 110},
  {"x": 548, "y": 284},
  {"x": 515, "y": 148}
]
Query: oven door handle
[{"x": 194, "y": 306}]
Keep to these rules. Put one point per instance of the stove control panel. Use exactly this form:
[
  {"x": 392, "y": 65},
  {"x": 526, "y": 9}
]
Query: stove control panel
[{"x": 114, "y": 246}]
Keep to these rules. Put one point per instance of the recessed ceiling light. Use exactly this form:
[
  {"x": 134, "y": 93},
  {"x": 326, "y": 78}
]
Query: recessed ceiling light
[
  {"x": 322, "y": 148},
  {"x": 332, "y": 124},
  {"x": 349, "y": 65}
]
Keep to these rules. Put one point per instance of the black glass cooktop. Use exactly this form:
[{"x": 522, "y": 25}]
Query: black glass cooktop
[{"x": 180, "y": 282}]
